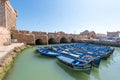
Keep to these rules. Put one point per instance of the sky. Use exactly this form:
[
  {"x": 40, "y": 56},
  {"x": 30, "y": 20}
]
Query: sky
[{"x": 70, "y": 16}]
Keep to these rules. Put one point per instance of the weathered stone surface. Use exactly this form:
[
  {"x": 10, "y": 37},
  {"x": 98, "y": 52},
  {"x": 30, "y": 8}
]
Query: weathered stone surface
[
  {"x": 42, "y": 36},
  {"x": 7, "y": 57},
  {"x": 54, "y": 36},
  {"x": 2, "y": 13},
  {"x": 48, "y": 38},
  {"x": 23, "y": 37},
  {"x": 7, "y": 15},
  {"x": 5, "y": 38},
  {"x": 88, "y": 35},
  {"x": 7, "y": 21}
]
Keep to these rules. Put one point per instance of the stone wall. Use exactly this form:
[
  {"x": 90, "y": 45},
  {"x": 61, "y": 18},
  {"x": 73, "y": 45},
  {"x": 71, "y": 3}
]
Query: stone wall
[
  {"x": 54, "y": 36},
  {"x": 88, "y": 34},
  {"x": 42, "y": 36},
  {"x": 22, "y": 37},
  {"x": 5, "y": 37},
  {"x": 7, "y": 21},
  {"x": 7, "y": 15},
  {"x": 11, "y": 15},
  {"x": 47, "y": 38},
  {"x": 2, "y": 13}
]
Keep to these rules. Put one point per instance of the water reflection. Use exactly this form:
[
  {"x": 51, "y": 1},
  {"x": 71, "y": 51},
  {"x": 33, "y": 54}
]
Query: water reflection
[
  {"x": 106, "y": 63},
  {"x": 78, "y": 75},
  {"x": 95, "y": 73}
]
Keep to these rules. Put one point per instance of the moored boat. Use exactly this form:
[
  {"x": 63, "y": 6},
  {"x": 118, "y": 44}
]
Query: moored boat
[
  {"x": 103, "y": 51},
  {"x": 73, "y": 63},
  {"x": 78, "y": 56},
  {"x": 46, "y": 52},
  {"x": 81, "y": 55},
  {"x": 86, "y": 56}
]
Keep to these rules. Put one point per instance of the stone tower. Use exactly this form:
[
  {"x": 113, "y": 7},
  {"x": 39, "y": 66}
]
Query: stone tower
[{"x": 7, "y": 15}]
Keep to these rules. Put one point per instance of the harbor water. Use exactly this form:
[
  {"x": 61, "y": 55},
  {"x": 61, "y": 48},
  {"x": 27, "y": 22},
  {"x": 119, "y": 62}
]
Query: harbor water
[{"x": 30, "y": 66}]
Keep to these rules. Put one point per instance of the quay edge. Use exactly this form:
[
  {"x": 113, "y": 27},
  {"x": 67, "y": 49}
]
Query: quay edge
[
  {"x": 8, "y": 59},
  {"x": 95, "y": 41}
]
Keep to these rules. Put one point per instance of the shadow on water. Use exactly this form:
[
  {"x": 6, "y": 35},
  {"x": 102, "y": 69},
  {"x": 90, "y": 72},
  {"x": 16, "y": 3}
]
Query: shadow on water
[{"x": 78, "y": 75}]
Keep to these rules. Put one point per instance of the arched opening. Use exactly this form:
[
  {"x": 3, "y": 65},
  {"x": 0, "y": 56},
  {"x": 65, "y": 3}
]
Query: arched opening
[
  {"x": 38, "y": 42},
  {"x": 92, "y": 37},
  {"x": 73, "y": 40},
  {"x": 63, "y": 40},
  {"x": 51, "y": 41}
]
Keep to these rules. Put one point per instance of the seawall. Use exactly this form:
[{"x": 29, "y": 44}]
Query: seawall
[{"x": 107, "y": 43}]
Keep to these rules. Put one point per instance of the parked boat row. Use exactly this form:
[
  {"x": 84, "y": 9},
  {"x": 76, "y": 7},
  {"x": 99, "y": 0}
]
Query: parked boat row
[{"x": 78, "y": 56}]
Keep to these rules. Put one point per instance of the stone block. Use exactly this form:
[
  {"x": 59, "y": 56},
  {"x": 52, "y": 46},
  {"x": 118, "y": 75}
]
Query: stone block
[{"x": 5, "y": 37}]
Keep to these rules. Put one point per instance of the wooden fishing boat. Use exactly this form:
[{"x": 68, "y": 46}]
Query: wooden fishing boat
[
  {"x": 75, "y": 64},
  {"x": 46, "y": 52}
]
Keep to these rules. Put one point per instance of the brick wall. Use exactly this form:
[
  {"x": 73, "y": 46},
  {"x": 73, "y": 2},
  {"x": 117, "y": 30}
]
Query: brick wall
[{"x": 5, "y": 38}]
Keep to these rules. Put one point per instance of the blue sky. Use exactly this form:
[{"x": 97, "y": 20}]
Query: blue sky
[{"x": 70, "y": 16}]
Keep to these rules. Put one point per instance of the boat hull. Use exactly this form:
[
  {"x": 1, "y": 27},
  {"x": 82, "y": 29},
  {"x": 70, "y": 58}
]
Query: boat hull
[
  {"x": 76, "y": 67},
  {"x": 50, "y": 54}
]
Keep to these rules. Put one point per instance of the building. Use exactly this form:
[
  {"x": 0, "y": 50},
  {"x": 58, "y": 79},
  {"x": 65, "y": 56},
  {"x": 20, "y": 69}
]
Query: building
[
  {"x": 99, "y": 36},
  {"x": 7, "y": 21},
  {"x": 88, "y": 34},
  {"x": 113, "y": 34}
]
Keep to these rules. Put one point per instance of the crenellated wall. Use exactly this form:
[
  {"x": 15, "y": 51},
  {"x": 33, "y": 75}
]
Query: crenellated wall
[{"x": 36, "y": 37}]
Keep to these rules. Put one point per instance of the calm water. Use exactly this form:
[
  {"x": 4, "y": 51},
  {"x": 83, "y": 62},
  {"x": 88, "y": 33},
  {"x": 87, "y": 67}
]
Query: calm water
[{"x": 29, "y": 66}]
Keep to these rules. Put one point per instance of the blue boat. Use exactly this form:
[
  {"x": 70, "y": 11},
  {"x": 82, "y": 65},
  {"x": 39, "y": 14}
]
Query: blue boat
[
  {"x": 83, "y": 56},
  {"x": 78, "y": 56},
  {"x": 74, "y": 63},
  {"x": 103, "y": 51},
  {"x": 46, "y": 52}
]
